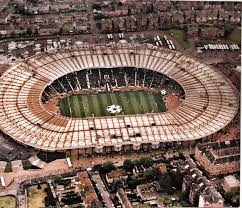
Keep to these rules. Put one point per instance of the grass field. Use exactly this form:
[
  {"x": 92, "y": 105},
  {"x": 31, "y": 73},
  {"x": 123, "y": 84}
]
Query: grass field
[
  {"x": 36, "y": 197},
  {"x": 179, "y": 35},
  {"x": 8, "y": 202},
  {"x": 132, "y": 102},
  {"x": 235, "y": 36}
]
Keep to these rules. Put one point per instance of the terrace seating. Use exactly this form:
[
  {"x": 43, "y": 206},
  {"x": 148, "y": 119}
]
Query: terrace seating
[{"x": 211, "y": 101}]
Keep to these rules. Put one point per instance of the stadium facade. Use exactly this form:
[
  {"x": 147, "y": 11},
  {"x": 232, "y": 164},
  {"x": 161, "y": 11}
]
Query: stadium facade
[{"x": 209, "y": 104}]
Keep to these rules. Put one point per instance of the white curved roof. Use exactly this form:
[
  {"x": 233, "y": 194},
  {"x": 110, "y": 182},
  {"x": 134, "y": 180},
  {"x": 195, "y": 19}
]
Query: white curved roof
[{"x": 211, "y": 100}]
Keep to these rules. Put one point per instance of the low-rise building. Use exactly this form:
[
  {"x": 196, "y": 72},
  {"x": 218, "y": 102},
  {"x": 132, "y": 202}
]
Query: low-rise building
[
  {"x": 87, "y": 191},
  {"x": 116, "y": 175},
  {"x": 219, "y": 157},
  {"x": 76, "y": 190},
  {"x": 231, "y": 184},
  {"x": 148, "y": 191},
  {"x": 196, "y": 188},
  {"x": 123, "y": 198},
  {"x": 162, "y": 168},
  {"x": 210, "y": 197},
  {"x": 212, "y": 32},
  {"x": 192, "y": 31},
  {"x": 191, "y": 177}
]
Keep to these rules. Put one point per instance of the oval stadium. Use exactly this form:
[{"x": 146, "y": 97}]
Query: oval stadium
[{"x": 102, "y": 98}]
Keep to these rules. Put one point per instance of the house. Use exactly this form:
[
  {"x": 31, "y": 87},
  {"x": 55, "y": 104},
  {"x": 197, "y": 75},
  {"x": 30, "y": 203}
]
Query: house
[
  {"x": 123, "y": 198},
  {"x": 196, "y": 188},
  {"x": 48, "y": 29},
  {"x": 162, "y": 168},
  {"x": 177, "y": 17},
  {"x": 116, "y": 175},
  {"x": 210, "y": 197},
  {"x": 61, "y": 7},
  {"x": 187, "y": 182},
  {"x": 192, "y": 31},
  {"x": 87, "y": 191},
  {"x": 119, "y": 23},
  {"x": 4, "y": 17},
  {"x": 123, "y": 11},
  {"x": 148, "y": 191},
  {"x": 106, "y": 25},
  {"x": 212, "y": 32}
]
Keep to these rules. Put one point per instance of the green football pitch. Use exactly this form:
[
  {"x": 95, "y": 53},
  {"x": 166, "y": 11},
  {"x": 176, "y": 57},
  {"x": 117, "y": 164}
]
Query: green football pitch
[{"x": 132, "y": 102}]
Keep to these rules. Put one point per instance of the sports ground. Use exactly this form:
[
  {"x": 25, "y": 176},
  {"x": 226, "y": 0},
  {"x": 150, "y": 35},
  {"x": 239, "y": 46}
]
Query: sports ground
[{"x": 132, "y": 102}]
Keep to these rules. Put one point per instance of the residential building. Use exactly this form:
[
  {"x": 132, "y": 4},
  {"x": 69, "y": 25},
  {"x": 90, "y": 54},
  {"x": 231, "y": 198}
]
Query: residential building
[
  {"x": 123, "y": 198},
  {"x": 210, "y": 197},
  {"x": 148, "y": 191},
  {"x": 219, "y": 157},
  {"x": 231, "y": 184},
  {"x": 116, "y": 175}
]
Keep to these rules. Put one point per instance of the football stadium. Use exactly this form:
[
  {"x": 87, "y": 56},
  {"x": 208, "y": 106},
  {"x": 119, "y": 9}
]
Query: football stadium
[{"x": 114, "y": 97}]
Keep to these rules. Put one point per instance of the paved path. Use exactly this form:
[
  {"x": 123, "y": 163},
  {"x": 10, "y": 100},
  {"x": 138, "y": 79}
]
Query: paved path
[{"x": 53, "y": 168}]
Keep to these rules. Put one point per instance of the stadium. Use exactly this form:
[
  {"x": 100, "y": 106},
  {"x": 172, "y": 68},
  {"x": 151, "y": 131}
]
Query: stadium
[{"x": 103, "y": 98}]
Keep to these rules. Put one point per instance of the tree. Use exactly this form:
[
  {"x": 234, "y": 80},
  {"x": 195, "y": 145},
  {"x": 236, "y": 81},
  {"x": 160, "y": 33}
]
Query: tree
[
  {"x": 61, "y": 30},
  {"x": 166, "y": 183},
  {"x": 96, "y": 6},
  {"x": 26, "y": 164},
  {"x": 29, "y": 31},
  {"x": 228, "y": 28},
  {"x": 8, "y": 167},
  {"x": 128, "y": 165},
  {"x": 107, "y": 167},
  {"x": 36, "y": 32},
  {"x": 137, "y": 162},
  {"x": 152, "y": 173},
  {"x": 116, "y": 185},
  {"x": 146, "y": 161},
  {"x": 12, "y": 34},
  {"x": 57, "y": 178}
]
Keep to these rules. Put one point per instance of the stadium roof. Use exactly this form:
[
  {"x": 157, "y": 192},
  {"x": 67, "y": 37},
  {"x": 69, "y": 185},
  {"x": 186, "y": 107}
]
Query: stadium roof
[{"x": 211, "y": 100}]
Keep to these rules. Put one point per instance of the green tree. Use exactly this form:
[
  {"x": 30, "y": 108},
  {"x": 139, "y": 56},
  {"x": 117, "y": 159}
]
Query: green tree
[
  {"x": 96, "y": 6},
  {"x": 36, "y": 32},
  {"x": 146, "y": 161},
  {"x": 152, "y": 173},
  {"x": 12, "y": 34},
  {"x": 107, "y": 167},
  {"x": 61, "y": 30},
  {"x": 132, "y": 182},
  {"x": 116, "y": 185},
  {"x": 166, "y": 183},
  {"x": 8, "y": 167},
  {"x": 29, "y": 31},
  {"x": 228, "y": 28},
  {"x": 26, "y": 164},
  {"x": 128, "y": 165},
  {"x": 137, "y": 162}
]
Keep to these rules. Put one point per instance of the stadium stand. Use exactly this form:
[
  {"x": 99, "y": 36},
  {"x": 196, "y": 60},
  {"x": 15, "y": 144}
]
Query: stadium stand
[{"x": 210, "y": 103}]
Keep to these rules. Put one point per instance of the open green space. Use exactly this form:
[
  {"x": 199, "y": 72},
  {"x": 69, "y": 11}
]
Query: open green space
[
  {"x": 36, "y": 196},
  {"x": 235, "y": 36},
  {"x": 8, "y": 202},
  {"x": 180, "y": 37},
  {"x": 8, "y": 167},
  {"x": 132, "y": 102}
]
